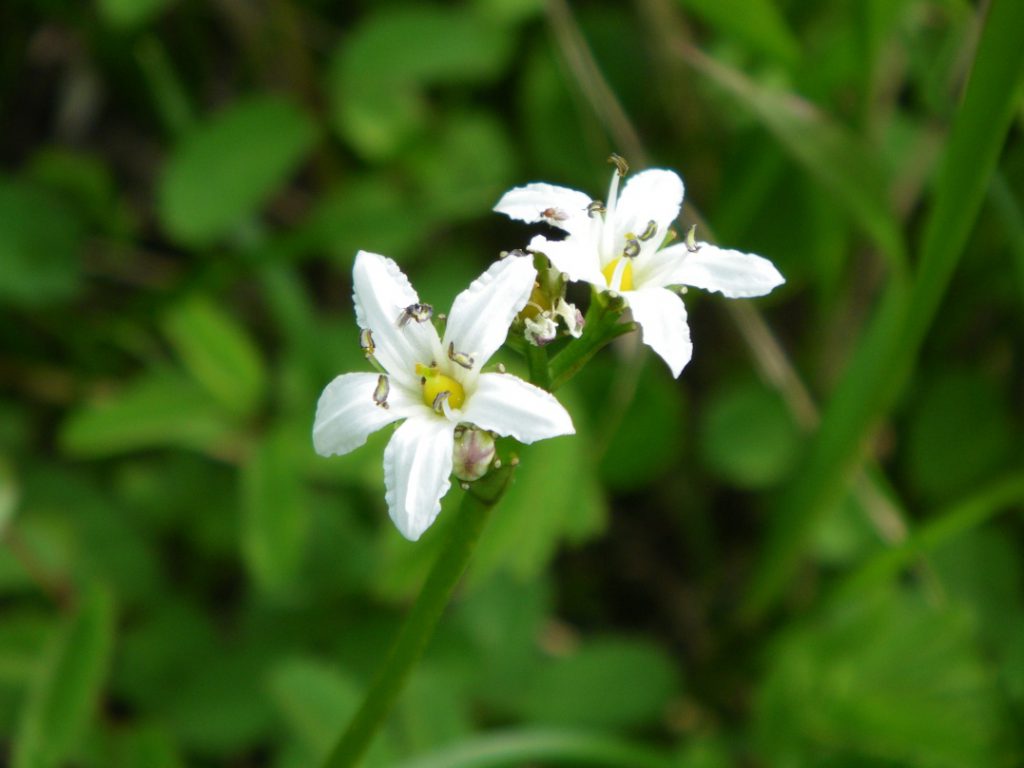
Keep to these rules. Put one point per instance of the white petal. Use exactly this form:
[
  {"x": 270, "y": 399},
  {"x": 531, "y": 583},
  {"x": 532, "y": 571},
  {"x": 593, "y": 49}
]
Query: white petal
[
  {"x": 655, "y": 195},
  {"x": 417, "y": 466},
  {"x": 347, "y": 414},
  {"x": 732, "y": 273},
  {"x": 510, "y": 406},
  {"x": 482, "y": 314},
  {"x": 566, "y": 208},
  {"x": 381, "y": 293},
  {"x": 577, "y": 256},
  {"x": 662, "y": 319}
]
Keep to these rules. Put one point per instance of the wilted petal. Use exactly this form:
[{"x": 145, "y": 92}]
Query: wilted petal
[
  {"x": 662, "y": 319},
  {"x": 481, "y": 315},
  {"x": 510, "y": 406},
  {"x": 347, "y": 413},
  {"x": 732, "y": 273},
  {"x": 576, "y": 256},
  {"x": 417, "y": 466},
  {"x": 559, "y": 206},
  {"x": 655, "y": 195},
  {"x": 381, "y": 293}
]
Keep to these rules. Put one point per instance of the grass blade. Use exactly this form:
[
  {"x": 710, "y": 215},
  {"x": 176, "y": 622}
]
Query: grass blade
[{"x": 885, "y": 357}]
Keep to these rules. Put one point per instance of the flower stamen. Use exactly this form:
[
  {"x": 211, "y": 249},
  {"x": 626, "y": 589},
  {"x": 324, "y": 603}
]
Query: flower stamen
[
  {"x": 459, "y": 358},
  {"x": 691, "y": 240},
  {"x": 366, "y": 342},
  {"x": 380, "y": 392}
]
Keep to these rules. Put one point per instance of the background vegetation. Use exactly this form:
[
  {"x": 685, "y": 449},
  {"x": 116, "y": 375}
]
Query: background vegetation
[{"x": 791, "y": 556}]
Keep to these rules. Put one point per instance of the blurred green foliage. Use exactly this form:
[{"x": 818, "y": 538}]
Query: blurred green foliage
[{"x": 183, "y": 187}]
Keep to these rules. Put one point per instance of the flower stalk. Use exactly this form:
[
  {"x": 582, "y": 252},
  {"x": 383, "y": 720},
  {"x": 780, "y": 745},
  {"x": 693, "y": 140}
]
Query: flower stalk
[
  {"x": 537, "y": 359},
  {"x": 602, "y": 327},
  {"x": 419, "y": 625}
]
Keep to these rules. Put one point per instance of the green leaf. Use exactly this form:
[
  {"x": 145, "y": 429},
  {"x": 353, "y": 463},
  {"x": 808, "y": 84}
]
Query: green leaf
[
  {"x": 431, "y": 712},
  {"x": 541, "y": 509},
  {"x": 882, "y": 680},
  {"x": 9, "y": 494},
  {"x": 828, "y": 152},
  {"x": 946, "y": 525},
  {"x": 368, "y": 212},
  {"x": 146, "y": 746},
  {"x": 380, "y": 68},
  {"x": 464, "y": 170},
  {"x": 64, "y": 695},
  {"x": 22, "y": 634},
  {"x": 960, "y": 433},
  {"x": 218, "y": 353},
  {"x": 315, "y": 700},
  {"x": 275, "y": 519},
  {"x": 748, "y": 436},
  {"x": 889, "y": 348},
  {"x": 648, "y": 438},
  {"x": 226, "y": 169},
  {"x": 158, "y": 410},
  {"x": 755, "y": 23},
  {"x": 40, "y": 239},
  {"x": 84, "y": 182},
  {"x": 611, "y": 683},
  {"x": 130, "y": 14}
]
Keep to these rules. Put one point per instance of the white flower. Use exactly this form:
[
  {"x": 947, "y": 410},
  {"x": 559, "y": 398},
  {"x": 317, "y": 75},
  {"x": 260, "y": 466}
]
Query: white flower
[
  {"x": 616, "y": 246},
  {"x": 433, "y": 383}
]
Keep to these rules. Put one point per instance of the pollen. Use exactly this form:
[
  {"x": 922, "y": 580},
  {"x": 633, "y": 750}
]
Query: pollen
[
  {"x": 435, "y": 383},
  {"x": 611, "y": 267}
]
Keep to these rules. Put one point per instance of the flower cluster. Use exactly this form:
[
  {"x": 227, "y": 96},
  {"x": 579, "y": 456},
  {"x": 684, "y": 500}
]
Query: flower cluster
[
  {"x": 622, "y": 246},
  {"x": 435, "y": 383}
]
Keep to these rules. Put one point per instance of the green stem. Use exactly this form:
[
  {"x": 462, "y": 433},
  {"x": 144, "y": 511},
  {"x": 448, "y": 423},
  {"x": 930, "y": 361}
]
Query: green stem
[
  {"x": 422, "y": 619},
  {"x": 602, "y": 327},
  {"x": 537, "y": 358},
  {"x": 942, "y": 527},
  {"x": 536, "y": 746}
]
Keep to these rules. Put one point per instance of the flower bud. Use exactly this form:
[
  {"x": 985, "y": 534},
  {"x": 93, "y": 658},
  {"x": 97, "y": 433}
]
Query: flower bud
[{"x": 473, "y": 453}]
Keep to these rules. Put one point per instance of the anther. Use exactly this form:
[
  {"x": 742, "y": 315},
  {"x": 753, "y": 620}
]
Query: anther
[
  {"x": 691, "y": 240},
  {"x": 502, "y": 368},
  {"x": 366, "y": 342},
  {"x": 459, "y": 358},
  {"x": 632, "y": 249},
  {"x": 380, "y": 393},
  {"x": 652, "y": 229},
  {"x": 595, "y": 207},
  {"x": 418, "y": 312},
  {"x": 620, "y": 164},
  {"x": 439, "y": 400}
]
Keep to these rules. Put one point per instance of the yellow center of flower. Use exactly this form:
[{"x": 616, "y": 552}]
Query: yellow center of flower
[
  {"x": 627, "y": 274},
  {"x": 436, "y": 384}
]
